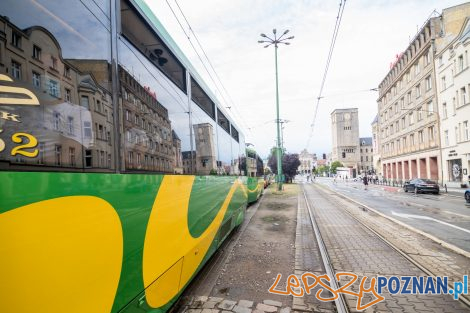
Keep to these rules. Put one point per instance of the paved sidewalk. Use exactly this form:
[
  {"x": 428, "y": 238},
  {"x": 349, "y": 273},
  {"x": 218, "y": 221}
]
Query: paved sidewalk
[{"x": 266, "y": 247}]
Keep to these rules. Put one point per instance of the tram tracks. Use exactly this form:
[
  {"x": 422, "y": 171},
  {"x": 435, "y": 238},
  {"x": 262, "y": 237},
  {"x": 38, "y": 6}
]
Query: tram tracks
[{"x": 332, "y": 227}]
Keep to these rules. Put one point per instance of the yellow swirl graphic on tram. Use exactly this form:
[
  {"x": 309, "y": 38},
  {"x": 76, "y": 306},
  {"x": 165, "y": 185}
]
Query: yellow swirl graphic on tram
[
  {"x": 171, "y": 255},
  {"x": 60, "y": 255}
]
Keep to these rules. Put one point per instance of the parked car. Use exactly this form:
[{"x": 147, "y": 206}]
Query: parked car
[
  {"x": 467, "y": 195},
  {"x": 418, "y": 185}
]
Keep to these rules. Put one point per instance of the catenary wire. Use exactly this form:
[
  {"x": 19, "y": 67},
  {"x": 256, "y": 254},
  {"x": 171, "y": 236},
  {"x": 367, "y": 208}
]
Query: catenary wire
[
  {"x": 330, "y": 53},
  {"x": 208, "y": 61}
]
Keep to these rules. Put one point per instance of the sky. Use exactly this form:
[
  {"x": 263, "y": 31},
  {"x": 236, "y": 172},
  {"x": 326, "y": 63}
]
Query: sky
[{"x": 371, "y": 34}]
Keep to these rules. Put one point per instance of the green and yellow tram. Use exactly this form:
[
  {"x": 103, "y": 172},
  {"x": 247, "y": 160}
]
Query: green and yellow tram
[{"x": 120, "y": 173}]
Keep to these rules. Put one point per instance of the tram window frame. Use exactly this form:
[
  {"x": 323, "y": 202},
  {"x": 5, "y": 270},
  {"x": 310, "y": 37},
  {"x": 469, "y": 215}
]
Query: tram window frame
[
  {"x": 159, "y": 54},
  {"x": 200, "y": 97},
  {"x": 221, "y": 118}
]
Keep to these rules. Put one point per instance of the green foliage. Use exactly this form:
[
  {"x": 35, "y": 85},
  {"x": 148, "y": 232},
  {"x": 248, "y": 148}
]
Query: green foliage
[{"x": 335, "y": 165}]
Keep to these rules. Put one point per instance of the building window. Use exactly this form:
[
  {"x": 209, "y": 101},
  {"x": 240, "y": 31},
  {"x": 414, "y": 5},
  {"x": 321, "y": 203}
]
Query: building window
[
  {"x": 36, "y": 52},
  {"x": 16, "y": 40},
  {"x": 418, "y": 91},
  {"x": 54, "y": 63},
  {"x": 412, "y": 139},
  {"x": 54, "y": 88},
  {"x": 443, "y": 83},
  {"x": 102, "y": 159},
  {"x": 16, "y": 70},
  {"x": 428, "y": 83},
  {"x": 411, "y": 118},
  {"x": 58, "y": 154},
  {"x": 88, "y": 158},
  {"x": 460, "y": 63},
  {"x": 70, "y": 126},
  {"x": 403, "y": 123},
  {"x": 68, "y": 95},
  {"x": 456, "y": 134},
  {"x": 85, "y": 102},
  {"x": 427, "y": 58},
  {"x": 444, "y": 110},
  {"x": 408, "y": 98},
  {"x": 67, "y": 71},
  {"x": 466, "y": 134},
  {"x": 417, "y": 69},
  {"x": 440, "y": 60},
  {"x": 42, "y": 148},
  {"x": 420, "y": 113},
  {"x": 421, "y": 136},
  {"x": 87, "y": 132},
  {"x": 36, "y": 80},
  {"x": 72, "y": 156},
  {"x": 431, "y": 133},
  {"x": 446, "y": 137},
  {"x": 130, "y": 158},
  {"x": 56, "y": 120},
  {"x": 463, "y": 96},
  {"x": 430, "y": 108}
]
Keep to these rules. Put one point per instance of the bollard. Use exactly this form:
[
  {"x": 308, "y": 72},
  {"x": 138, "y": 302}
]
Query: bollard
[{"x": 445, "y": 186}]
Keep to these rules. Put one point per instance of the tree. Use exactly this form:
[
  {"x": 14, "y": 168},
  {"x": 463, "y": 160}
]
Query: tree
[
  {"x": 322, "y": 169},
  {"x": 290, "y": 163},
  {"x": 335, "y": 165}
]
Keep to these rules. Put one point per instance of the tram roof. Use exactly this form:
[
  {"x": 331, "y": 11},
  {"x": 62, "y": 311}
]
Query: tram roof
[{"x": 158, "y": 27}]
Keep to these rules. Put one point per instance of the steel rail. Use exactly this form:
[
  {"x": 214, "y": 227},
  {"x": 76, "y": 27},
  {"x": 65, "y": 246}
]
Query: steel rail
[
  {"x": 341, "y": 306},
  {"x": 462, "y": 297}
]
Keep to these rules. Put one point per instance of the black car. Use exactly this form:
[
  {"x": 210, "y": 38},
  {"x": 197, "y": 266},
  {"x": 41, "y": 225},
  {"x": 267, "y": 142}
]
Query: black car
[
  {"x": 421, "y": 185},
  {"x": 467, "y": 195}
]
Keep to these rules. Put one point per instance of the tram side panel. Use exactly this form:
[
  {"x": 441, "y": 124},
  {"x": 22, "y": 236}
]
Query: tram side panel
[{"x": 92, "y": 216}]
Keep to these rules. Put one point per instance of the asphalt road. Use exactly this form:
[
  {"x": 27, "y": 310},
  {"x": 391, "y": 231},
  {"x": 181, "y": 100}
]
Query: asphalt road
[{"x": 443, "y": 216}]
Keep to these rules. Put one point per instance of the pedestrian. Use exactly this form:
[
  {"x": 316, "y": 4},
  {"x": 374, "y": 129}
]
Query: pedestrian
[{"x": 364, "y": 180}]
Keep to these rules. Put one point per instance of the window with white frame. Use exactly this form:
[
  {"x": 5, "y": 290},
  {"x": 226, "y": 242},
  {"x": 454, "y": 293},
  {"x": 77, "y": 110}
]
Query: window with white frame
[
  {"x": 70, "y": 126},
  {"x": 446, "y": 137},
  {"x": 460, "y": 64},
  {"x": 466, "y": 134},
  {"x": 56, "y": 120},
  {"x": 463, "y": 96},
  {"x": 54, "y": 89},
  {"x": 421, "y": 136},
  {"x": 36, "y": 80},
  {"x": 418, "y": 90},
  {"x": 16, "y": 70},
  {"x": 36, "y": 53},
  {"x": 444, "y": 110},
  {"x": 431, "y": 133},
  {"x": 420, "y": 113},
  {"x": 443, "y": 83},
  {"x": 428, "y": 83},
  {"x": 430, "y": 108}
]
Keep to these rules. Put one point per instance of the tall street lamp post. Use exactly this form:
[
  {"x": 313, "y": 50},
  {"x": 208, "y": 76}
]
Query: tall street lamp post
[{"x": 276, "y": 41}]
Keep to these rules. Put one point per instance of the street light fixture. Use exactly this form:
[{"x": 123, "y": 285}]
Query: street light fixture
[{"x": 276, "y": 41}]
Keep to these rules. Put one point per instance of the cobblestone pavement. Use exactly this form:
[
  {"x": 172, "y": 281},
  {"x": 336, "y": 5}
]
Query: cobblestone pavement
[
  {"x": 353, "y": 248},
  {"x": 266, "y": 247}
]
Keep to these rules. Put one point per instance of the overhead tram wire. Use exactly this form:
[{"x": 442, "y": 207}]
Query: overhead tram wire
[
  {"x": 203, "y": 63},
  {"x": 330, "y": 53},
  {"x": 213, "y": 69}
]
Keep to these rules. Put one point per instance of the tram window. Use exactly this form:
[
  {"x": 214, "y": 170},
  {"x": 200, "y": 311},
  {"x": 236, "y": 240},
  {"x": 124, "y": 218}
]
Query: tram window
[
  {"x": 65, "y": 55},
  {"x": 141, "y": 35},
  {"x": 202, "y": 99},
  {"x": 223, "y": 121}
]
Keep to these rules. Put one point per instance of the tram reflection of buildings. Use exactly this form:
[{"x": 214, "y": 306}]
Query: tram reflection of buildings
[
  {"x": 203, "y": 160},
  {"x": 73, "y": 123}
]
